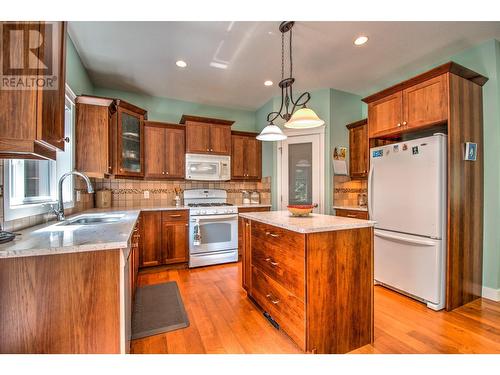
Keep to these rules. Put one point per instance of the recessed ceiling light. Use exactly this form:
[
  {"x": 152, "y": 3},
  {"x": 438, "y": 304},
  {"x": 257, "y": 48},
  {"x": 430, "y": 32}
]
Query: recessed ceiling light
[
  {"x": 360, "y": 40},
  {"x": 181, "y": 63},
  {"x": 268, "y": 83}
]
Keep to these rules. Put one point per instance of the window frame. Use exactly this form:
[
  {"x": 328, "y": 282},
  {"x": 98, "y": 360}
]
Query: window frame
[{"x": 34, "y": 206}]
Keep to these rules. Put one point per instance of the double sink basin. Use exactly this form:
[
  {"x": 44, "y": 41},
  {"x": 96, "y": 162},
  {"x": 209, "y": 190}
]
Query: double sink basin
[{"x": 93, "y": 219}]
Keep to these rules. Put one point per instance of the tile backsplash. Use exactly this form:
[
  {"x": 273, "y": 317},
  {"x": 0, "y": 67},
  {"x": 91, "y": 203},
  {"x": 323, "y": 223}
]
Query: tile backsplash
[
  {"x": 346, "y": 190},
  {"x": 130, "y": 193}
]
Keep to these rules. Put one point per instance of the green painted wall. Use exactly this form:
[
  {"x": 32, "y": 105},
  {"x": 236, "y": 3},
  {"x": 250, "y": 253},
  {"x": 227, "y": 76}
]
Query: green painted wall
[
  {"x": 76, "y": 75},
  {"x": 171, "y": 110}
]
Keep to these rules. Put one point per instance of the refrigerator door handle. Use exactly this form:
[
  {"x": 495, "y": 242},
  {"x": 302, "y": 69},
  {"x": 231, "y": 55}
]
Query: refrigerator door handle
[
  {"x": 370, "y": 191},
  {"x": 414, "y": 241}
]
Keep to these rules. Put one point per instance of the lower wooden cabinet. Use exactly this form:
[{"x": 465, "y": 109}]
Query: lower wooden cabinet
[
  {"x": 174, "y": 241},
  {"x": 309, "y": 284},
  {"x": 151, "y": 253},
  {"x": 244, "y": 252},
  {"x": 354, "y": 214},
  {"x": 165, "y": 237},
  {"x": 240, "y": 229}
]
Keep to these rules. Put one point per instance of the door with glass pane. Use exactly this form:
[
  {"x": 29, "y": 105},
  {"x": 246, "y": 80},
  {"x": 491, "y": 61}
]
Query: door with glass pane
[
  {"x": 130, "y": 143},
  {"x": 300, "y": 171}
]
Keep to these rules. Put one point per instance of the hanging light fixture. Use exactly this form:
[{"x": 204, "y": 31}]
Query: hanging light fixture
[{"x": 304, "y": 117}]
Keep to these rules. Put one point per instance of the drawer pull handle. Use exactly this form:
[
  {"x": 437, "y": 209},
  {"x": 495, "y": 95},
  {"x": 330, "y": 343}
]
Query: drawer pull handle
[
  {"x": 270, "y": 260},
  {"x": 175, "y": 215},
  {"x": 272, "y": 234},
  {"x": 273, "y": 301},
  {"x": 351, "y": 215}
]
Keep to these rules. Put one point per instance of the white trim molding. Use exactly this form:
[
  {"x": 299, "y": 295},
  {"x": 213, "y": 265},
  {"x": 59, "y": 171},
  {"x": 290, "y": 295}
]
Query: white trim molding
[{"x": 490, "y": 293}]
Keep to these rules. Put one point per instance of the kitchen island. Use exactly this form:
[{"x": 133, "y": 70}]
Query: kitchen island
[{"x": 312, "y": 276}]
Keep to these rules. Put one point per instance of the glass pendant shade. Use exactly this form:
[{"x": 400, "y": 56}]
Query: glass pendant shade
[
  {"x": 271, "y": 133},
  {"x": 304, "y": 118}
]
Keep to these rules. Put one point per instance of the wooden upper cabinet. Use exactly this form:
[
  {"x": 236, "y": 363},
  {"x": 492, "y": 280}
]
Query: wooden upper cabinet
[
  {"x": 358, "y": 149},
  {"x": 238, "y": 165},
  {"x": 197, "y": 137},
  {"x": 176, "y": 148},
  {"x": 207, "y": 135},
  {"x": 129, "y": 140},
  {"x": 418, "y": 103},
  {"x": 220, "y": 139},
  {"x": 426, "y": 103},
  {"x": 92, "y": 138},
  {"x": 155, "y": 150},
  {"x": 246, "y": 156},
  {"x": 164, "y": 150},
  {"x": 51, "y": 103},
  {"x": 32, "y": 121},
  {"x": 385, "y": 115}
]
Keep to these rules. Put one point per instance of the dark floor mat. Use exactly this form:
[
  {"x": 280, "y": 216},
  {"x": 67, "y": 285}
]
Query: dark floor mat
[{"x": 157, "y": 309}]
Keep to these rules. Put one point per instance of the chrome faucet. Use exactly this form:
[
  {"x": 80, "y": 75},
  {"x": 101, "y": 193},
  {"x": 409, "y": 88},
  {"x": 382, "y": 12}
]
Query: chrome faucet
[{"x": 60, "y": 205}]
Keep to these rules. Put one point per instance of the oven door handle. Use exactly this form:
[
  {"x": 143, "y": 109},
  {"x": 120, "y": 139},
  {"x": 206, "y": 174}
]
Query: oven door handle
[{"x": 214, "y": 217}]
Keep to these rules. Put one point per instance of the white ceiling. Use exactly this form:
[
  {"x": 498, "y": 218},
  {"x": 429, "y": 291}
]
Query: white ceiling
[{"x": 141, "y": 56}]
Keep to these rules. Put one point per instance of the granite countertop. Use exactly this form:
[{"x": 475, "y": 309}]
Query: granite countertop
[
  {"x": 354, "y": 208},
  {"x": 308, "y": 224},
  {"x": 54, "y": 238}
]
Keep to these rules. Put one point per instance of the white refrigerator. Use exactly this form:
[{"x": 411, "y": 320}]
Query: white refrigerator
[{"x": 407, "y": 199}]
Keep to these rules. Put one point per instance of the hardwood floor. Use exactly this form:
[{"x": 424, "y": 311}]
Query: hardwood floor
[{"x": 223, "y": 320}]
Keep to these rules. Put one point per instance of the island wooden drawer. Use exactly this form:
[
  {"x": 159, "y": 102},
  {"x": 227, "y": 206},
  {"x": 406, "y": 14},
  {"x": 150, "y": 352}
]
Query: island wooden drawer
[
  {"x": 284, "y": 307},
  {"x": 352, "y": 214},
  {"x": 278, "y": 237},
  {"x": 174, "y": 215},
  {"x": 285, "y": 265}
]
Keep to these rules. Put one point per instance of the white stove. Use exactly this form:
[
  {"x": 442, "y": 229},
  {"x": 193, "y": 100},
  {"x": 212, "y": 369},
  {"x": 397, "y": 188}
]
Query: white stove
[{"x": 213, "y": 227}]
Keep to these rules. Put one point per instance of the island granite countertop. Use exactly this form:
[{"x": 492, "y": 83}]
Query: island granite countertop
[{"x": 307, "y": 224}]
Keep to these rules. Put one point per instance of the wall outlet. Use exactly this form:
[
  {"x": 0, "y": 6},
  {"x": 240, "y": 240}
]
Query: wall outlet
[
  {"x": 78, "y": 196},
  {"x": 146, "y": 194}
]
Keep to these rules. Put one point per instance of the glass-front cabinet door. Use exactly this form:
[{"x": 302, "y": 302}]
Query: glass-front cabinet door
[{"x": 130, "y": 143}]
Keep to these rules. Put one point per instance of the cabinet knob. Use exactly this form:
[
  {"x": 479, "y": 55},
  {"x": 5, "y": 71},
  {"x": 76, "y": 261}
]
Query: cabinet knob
[
  {"x": 399, "y": 124},
  {"x": 167, "y": 172},
  {"x": 211, "y": 149},
  {"x": 404, "y": 122},
  {"x": 208, "y": 149}
]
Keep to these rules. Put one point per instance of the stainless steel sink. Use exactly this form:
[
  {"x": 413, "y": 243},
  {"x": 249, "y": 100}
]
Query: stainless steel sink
[{"x": 93, "y": 220}]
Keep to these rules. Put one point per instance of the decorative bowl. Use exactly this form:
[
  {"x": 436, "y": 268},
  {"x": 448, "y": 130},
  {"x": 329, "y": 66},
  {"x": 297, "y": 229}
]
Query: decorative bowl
[{"x": 301, "y": 209}]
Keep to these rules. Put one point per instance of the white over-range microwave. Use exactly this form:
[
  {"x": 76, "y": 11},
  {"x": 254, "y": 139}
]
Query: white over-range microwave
[{"x": 203, "y": 167}]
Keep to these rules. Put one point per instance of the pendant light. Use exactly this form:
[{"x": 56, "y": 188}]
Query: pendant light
[{"x": 304, "y": 117}]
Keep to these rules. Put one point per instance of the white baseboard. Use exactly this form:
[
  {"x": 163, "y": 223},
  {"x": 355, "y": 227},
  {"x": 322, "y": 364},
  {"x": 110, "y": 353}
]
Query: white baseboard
[{"x": 492, "y": 294}]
